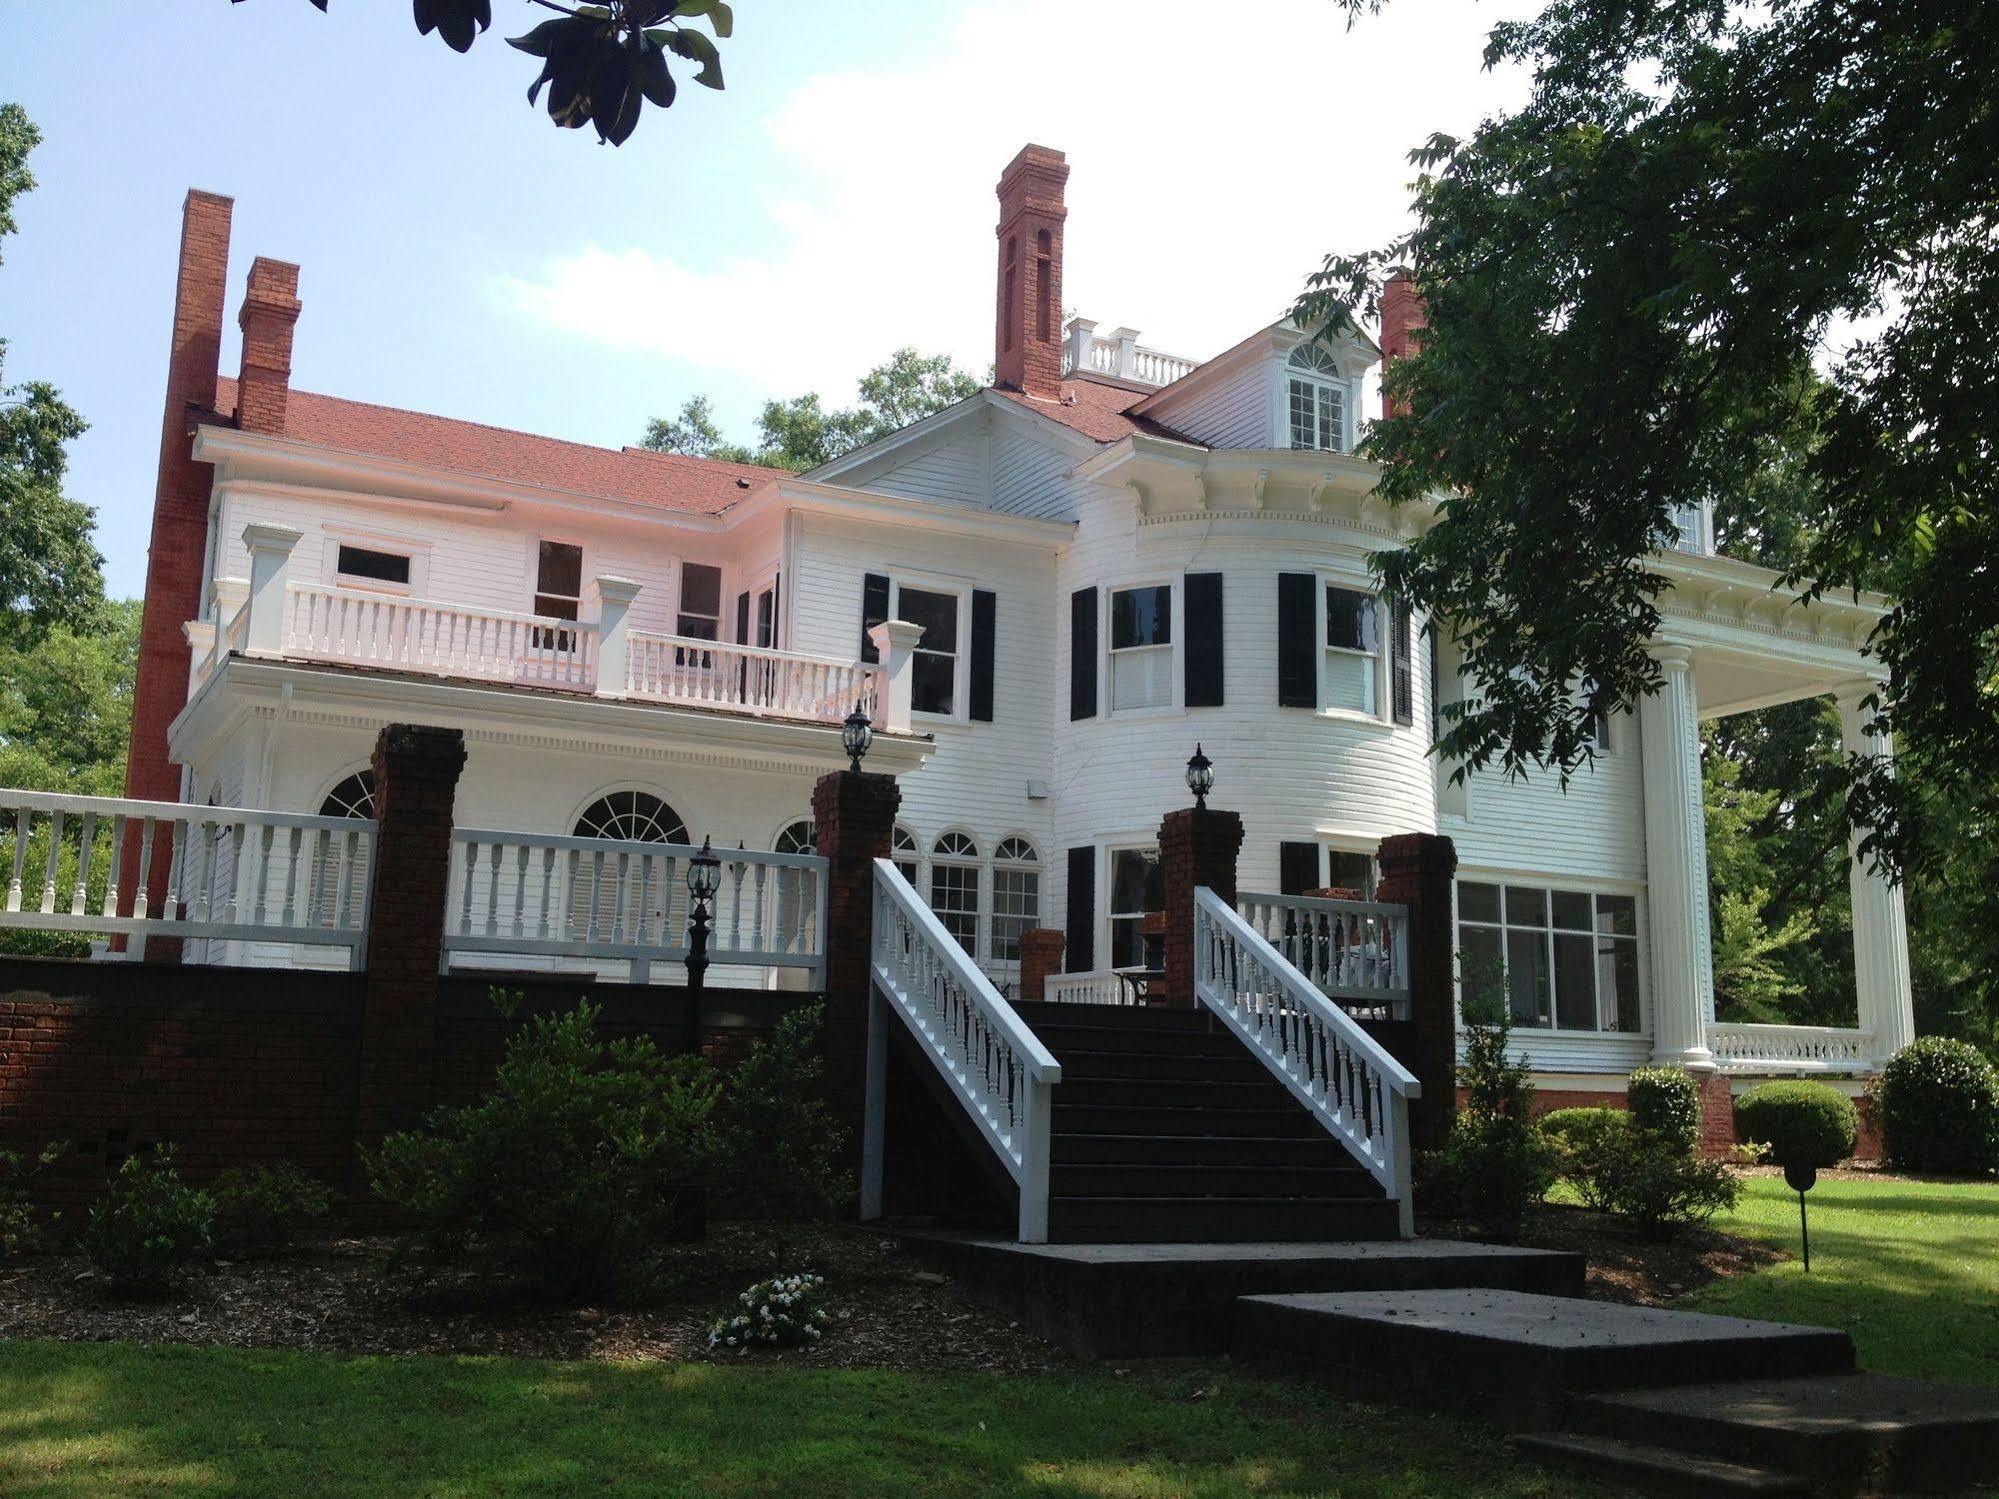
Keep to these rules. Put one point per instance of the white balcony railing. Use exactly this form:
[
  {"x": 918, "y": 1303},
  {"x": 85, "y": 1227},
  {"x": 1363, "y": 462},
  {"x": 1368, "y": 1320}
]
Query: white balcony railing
[
  {"x": 1790, "y": 1048},
  {"x": 549, "y": 896},
  {"x": 391, "y": 631},
  {"x": 1102, "y": 987},
  {"x": 1119, "y": 355},
  {"x": 749, "y": 679},
  {"x": 233, "y": 873},
  {"x": 1356, "y": 951}
]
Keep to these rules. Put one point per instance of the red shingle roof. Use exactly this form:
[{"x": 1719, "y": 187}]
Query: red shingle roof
[
  {"x": 670, "y": 481},
  {"x": 1098, "y": 411}
]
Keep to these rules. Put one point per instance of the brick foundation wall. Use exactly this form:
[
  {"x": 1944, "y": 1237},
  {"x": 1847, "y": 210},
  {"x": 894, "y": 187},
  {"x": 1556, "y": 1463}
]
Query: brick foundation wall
[{"x": 243, "y": 1065}]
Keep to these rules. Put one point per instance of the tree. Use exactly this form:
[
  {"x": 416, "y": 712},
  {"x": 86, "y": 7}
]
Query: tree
[
  {"x": 66, "y": 705},
  {"x": 1630, "y": 281},
  {"x": 801, "y": 433},
  {"x": 50, "y": 573},
  {"x": 600, "y": 63}
]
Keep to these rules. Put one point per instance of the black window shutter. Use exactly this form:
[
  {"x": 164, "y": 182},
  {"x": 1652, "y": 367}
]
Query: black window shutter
[
  {"x": 1436, "y": 688},
  {"x": 742, "y": 619},
  {"x": 1082, "y": 910},
  {"x": 1402, "y": 663},
  {"x": 1297, "y": 868},
  {"x": 874, "y": 611},
  {"x": 1083, "y": 655},
  {"x": 1204, "y": 640},
  {"x": 1297, "y": 651},
  {"x": 984, "y": 608}
]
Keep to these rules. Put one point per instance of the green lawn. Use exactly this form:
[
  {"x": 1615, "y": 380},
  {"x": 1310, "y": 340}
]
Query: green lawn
[
  {"x": 1911, "y": 1269},
  {"x": 116, "y": 1419}
]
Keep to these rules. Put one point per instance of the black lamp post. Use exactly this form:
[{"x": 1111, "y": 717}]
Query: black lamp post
[
  {"x": 1801, "y": 1178},
  {"x": 1200, "y": 778},
  {"x": 856, "y": 735},
  {"x": 704, "y": 877}
]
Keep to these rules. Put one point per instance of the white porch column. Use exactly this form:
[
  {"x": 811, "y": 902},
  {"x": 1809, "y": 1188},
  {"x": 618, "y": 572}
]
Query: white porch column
[
  {"x": 1880, "y": 925},
  {"x": 614, "y": 606},
  {"x": 1676, "y": 864},
  {"x": 1082, "y": 335},
  {"x": 895, "y": 643},
  {"x": 270, "y": 565}
]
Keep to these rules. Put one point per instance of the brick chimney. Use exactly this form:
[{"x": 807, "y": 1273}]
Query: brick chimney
[
  {"x": 1402, "y": 320},
  {"x": 270, "y": 309},
  {"x": 1027, "y": 345}
]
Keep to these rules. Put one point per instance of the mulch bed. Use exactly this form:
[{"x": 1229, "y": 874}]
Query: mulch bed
[
  {"x": 1625, "y": 1267},
  {"x": 350, "y": 1295}
]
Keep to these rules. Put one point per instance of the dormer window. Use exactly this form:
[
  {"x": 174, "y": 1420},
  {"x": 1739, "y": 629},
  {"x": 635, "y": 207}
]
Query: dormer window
[{"x": 1316, "y": 399}]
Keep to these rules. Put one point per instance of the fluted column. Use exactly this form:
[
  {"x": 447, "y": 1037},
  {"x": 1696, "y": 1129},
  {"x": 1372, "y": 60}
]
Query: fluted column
[
  {"x": 1880, "y": 925},
  {"x": 1676, "y": 864}
]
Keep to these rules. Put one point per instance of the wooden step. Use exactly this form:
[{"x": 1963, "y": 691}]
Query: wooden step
[
  {"x": 1285, "y": 1118},
  {"x": 1216, "y": 1220},
  {"x": 1126, "y": 1179},
  {"x": 1639, "y": 1468},
  {"x": 1172, "y": 1093},
  {"x": 1160, "y": 1066},
  {"x": 1271, "y": 1152}
]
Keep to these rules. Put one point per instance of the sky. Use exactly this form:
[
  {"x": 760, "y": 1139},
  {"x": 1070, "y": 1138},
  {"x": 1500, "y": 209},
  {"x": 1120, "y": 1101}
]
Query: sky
[{"x": 461, "y": 255}]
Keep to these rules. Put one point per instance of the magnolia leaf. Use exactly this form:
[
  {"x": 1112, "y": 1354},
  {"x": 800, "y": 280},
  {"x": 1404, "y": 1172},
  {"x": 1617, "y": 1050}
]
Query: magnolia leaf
[
  {"x": 695, "y": 47},
  {"x": 654, "y": 79},
  {"x": 459, "y": 22}
]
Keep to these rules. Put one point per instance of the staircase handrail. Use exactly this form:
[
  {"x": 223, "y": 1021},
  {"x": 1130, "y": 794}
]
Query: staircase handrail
[
  {"x": 992, "y": 1062},
  {"x": 1351, "y": 1084}
]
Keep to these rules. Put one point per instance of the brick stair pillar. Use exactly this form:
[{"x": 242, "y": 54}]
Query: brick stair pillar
[
  {"x": 1417, "y": 871},
  {"x": 416, "y": 781},
  {"x": 1197, "y": 846},
  {"x": 1040, "y": 956},
  {"x": 854, "y": 816}
]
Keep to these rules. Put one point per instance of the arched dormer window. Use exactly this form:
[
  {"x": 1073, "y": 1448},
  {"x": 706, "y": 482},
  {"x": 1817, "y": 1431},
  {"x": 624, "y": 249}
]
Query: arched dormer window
[{"x": 1315, "y": 399}]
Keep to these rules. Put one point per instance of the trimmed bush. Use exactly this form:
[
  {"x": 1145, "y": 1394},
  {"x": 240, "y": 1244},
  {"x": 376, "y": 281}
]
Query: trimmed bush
[
  {"x": 1804, "y": 1124},
  {"x": 1657, "y": 1183},
  {"x": 784, "y": 1153},
  {"x": 259, "y": 1210},
  {"x": 148, "y": 1226},
  {"x": 1939, "y": 1101},
  {"x": 1583, "y": 1140},
  {"x": 1665, "y": 1101}
]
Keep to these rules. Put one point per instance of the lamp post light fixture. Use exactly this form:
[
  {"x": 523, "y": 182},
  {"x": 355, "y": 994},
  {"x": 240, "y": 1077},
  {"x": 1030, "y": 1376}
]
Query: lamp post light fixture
[
  {"x": 856, "y": 735},
  {"x": 1200, "y": 778},
  {"x": 704, "y": 877}
]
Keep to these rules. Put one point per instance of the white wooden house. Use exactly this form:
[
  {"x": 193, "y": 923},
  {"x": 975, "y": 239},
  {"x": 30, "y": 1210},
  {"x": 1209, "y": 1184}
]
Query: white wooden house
[{"x": 1045, "y": 595}]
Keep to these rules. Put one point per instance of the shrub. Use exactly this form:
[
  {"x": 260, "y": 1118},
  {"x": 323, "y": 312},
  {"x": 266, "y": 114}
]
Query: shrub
[
  {"x": 1939, "y": 1102},
  {"x": 1495, "y": 1164},
  {"x": 571, "y": 1166},
  {"x": 782, "y": 1312},
  {"x": 783, "y": 1151},
  {"x": 1658, "y": 1183},
  {"x": 260, "y": 1209},
  {"x": 21, "y": 1222},
  {"x": 1665, "y": 1101},
  {"x": 149, "y": 1225},
  {"x": 1583, "y": 1140},
  {"x": 1804, "y": 1124}
]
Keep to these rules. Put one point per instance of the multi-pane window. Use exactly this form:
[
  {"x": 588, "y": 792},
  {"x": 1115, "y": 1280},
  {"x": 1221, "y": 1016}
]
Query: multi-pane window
[
  {"x": 700, "y": 601},
  {"x": 1564, "y": 959},
  {"x": 558, "y": 590},
  {"x": 934, "y": 663},
  {"x": 799, "y": 837},
  {"x": 903, "y": 854},
  {"x": 376, "y": 566},
  {"x": 598, "y": 904},
  {"x": 1141, "y": 647},
  {"x": 1016, "y": 896},
  {"x": 954, "y": 888},
  {"x": 1315, "y": 399},
  {"x": 1353, "y": 650},
  {"x": 353, "y": 797},
  {"x": 1138, "y": 889},
  {"x": 793, "y": 891}
]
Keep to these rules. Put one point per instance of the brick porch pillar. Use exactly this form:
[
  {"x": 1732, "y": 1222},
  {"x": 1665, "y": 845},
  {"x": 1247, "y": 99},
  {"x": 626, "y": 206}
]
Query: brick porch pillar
[
  {"x": 1040, "y": 955},
  {"x": 854, "y": 816},
  {"x": 1197, "y": 846},
  {"x": 1717, "y": 1112},
  {"x": 1417, "y": 870},
  {"x": 416, "y": 781}
]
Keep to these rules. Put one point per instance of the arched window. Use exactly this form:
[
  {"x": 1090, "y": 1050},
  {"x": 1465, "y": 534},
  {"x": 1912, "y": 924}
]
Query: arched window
[
  {"x": 799, "y": 837},
  {"x": 1016, "y": 896},
  {"x": 354, "y": 797},
  {"x": 599, "y": 904},
  {"x": 954, "y": 888},
  {"x": 1316, "y": 399},
  {"x": 903, "y": 853}
]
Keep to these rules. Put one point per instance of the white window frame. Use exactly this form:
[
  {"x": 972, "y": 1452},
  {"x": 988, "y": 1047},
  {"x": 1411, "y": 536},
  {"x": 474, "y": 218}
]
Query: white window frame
[
  {"x": 1033, "y": 868},
  {"x": 961, "y": 649},
  {"x": 1340, "y": 383},
  {"x": 973, "y": 862},
  {"x": 910, "y": 855},
  {"x": 1378, "y": 656},
  {"x": 1567, "y": 885},
  {"x": 1176, "y": 625},
  {"x": 418, "y": 552},
  {"x": 680, "y": 609},
  {"x": 535, "y": 592},
  {"x": 1106, "y": 888},
  {"x": 1348, "y": 843}
]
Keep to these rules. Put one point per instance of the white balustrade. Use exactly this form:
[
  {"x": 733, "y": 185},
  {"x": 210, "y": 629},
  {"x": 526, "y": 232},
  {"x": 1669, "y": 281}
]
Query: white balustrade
[
  {"x": 1349, "y": 1082},
  {"x": 1101, "y": 987},
  {"x": 391, "y": 631},
  {"x": 1791, "y": 1048},
  {"x": 1119, "y": 355},
  {"x": 1355, "y": 951},
  {"x": 234, "y": 874},
  {"x": 749, "y": 679},
  {"x": 544, "y": 895},
  {"x": 995, "y": 1066}
]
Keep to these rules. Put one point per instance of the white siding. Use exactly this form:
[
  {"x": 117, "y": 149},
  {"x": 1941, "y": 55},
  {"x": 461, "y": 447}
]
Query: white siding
[
  {"x": 955, "y": 470},
  {"x": 1237, "y": 409}
]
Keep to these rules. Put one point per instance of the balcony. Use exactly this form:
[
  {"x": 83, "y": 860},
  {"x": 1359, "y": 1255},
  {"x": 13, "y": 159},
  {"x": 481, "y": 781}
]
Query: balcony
[
  {"x": 1119, "y": 355},
  {"x": 601, "y": 657}
]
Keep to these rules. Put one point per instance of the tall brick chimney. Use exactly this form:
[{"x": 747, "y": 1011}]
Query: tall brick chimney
[
  {"x": 1402, "y": 320},
  {"x": 270, "y": 309},
  {"x": 1027, "y": 344}
]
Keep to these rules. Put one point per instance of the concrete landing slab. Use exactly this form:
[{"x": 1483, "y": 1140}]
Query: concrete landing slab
[
  {"x": 1513, "y": 1355},
  {"x": 1126, "y": 1300}
]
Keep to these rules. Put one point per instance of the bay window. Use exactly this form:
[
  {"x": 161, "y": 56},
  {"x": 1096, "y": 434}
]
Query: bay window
[
  {"x": 1141, "y": 647},
  {"x": 1564, "y": 959}
]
